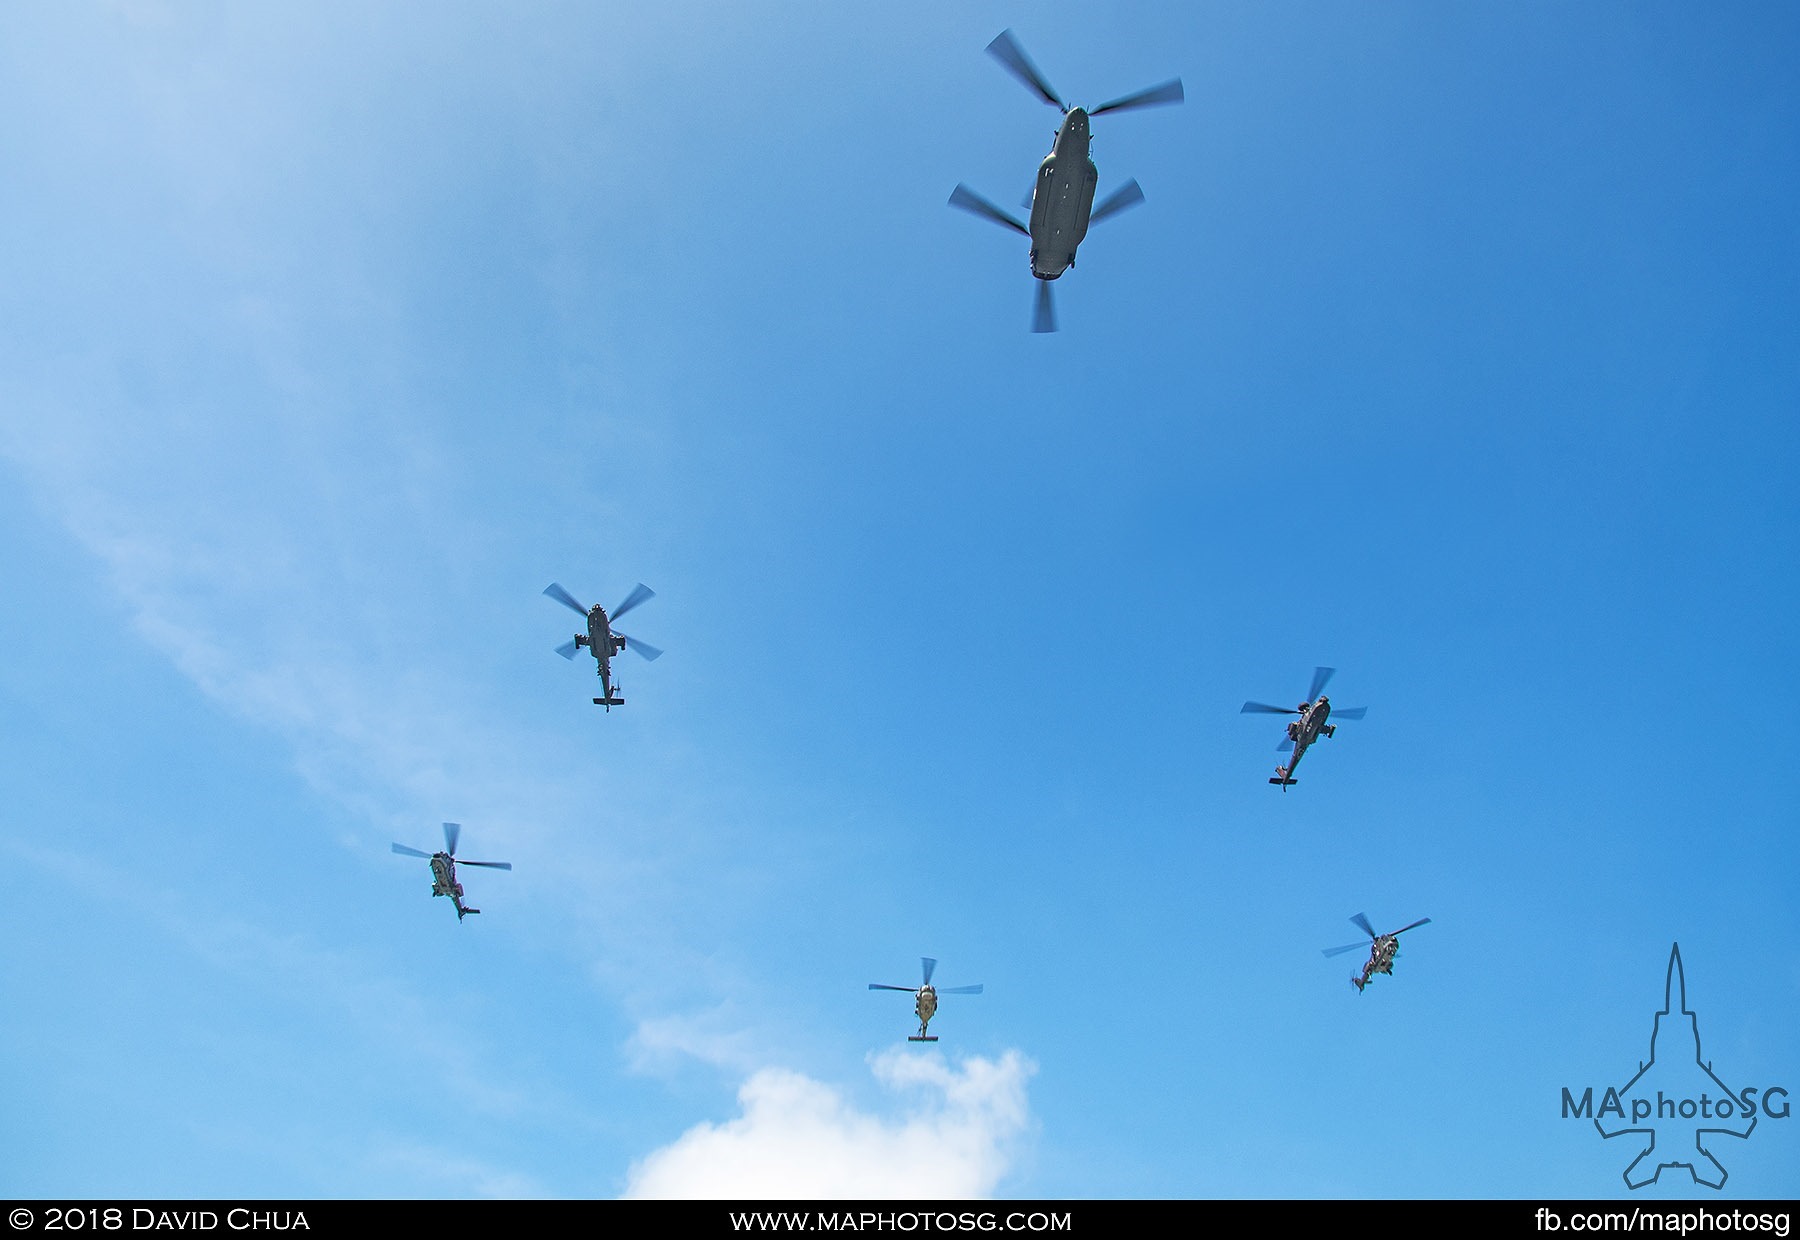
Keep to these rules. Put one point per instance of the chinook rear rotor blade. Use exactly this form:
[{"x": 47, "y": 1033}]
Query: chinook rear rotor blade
[
  {"x": 642, "y": 594},
  {"x": 565, "y": 598},
  {"x": 452, "y": 832},
  {"x": 1320, "y": 676},
  {"x": 1168, "y": 92},
  {"x": 1127, "y": 195},
  {"x": 404, "y": 851},
  {"x": 966, "y": 199},
  {"x": 1043, "y": 315},
  {"x": 1007, "y": 51},
  {"x": 649, "y": 652},
  {"x": 1362, "y": 923}
]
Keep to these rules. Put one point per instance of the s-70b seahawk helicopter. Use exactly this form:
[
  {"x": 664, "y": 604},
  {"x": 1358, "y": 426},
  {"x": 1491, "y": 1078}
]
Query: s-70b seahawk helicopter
[
  {"x": 1062, "y": 200},
  {"x": 601, "y": 638},
  {"x": 1382, "y": 950},
  {"x": 1308, "y": 727},
  {"x": 443, "y": 868},
  {"x": 926, "y": 998}
]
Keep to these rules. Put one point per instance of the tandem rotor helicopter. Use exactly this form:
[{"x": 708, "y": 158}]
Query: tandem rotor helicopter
[
  {"x": 926, "y": 997},
  {"x": 601, "y": 638},
  {"x": 443, "y": 868},
  {"x": 1062, "y": 200},
  {"x": 1382, "y": 950},
  {"x": 1308, "y": 727}
]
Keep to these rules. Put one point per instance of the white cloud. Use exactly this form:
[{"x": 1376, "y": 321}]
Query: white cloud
[{"x": 800, "y": 1138}]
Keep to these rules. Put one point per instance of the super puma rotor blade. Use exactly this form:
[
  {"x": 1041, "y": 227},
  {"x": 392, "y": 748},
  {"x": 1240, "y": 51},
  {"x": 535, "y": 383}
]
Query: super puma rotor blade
[
  {"x": 961, "y": 990},
  {"x": 642, "y": 594},
  {"x": 404, "y": 851},
  {"x": 1007, "y": 51},
  {"x": 966, "y": 199},
  {"x": 563, "y": 596},
  {"x": 1362, "y": 923},
  {"x": 1420, "y": 922},
  {"x": 452, "y": 833},
  {"x": 652, "y": 653},
  {"x": 492, "y": 865},
  {"x": 1043, "y": 315},
  {"x": 567, "y": 649},
  {"x": 1348, "y": 947},
  {"x": 1320, "y": 676},
  {"x": 1263, "y": 708},
  {"x": 1127, "y": 195},
  {"x": 1168, "y": 92}
]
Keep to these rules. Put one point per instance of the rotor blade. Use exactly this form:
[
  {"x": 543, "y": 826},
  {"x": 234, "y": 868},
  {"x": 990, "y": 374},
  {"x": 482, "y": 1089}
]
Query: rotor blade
[
  {"x": 968, "y": 200},
  {"x": 1168, "y": 92},
  {"x": 567, "y": 649},
  {"x": 1420, "y": 922},
  {"x": 1043, "y": 315},
  {"x": 1362, "y": 922},
  {"x": 1285, "y": 745},
  {"x": 1355, "y": 712},
  {"x": 1320, "y": 676},
  {"x": 643, "y": 594},
  {"x": 650, "y": 652},
  {"x": 404, "y": 851},
  {"x": 492, "y": 865},
  {"x": 452, "y": 832},
  {"x": 961, "y": 990},
  {"x": 882, "y": 986},
  {"x": 930, "y": 967},
  {"x": 1127, "y": 195},
  {"x": 1007, "y": 51},
  {"x": 1348, "y": 947},
  {"x": 1263, "y": 708},
  {"x": 562, "y": 596}
]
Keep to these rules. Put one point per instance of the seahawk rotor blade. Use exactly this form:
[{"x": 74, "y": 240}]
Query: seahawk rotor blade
[
  {"x": 650, "y": 652},
  {"x": 930, "y": 967},
  {"x": 642, "y": 594},
  {"x": 1127, "y": 195},
  {"x": 1320, "y": 676},
  {"x": 961, "y": 990},
  {"x": 1007, "y": 51},
  {"x": 567, "y": 649},
  {"x": 1348, "y": 947},
  {"x": 492, "y": 865},
  {"x": 1168, "y": 92},
  {"x": 1355, "y": 712},
  {"x": 968, "y": 200},
  {"x": 1263, "y": 708},
  {"x": 452, "y": 832},
  {"x": 562, "y": 596},
  {"x": 404, "y": 851},
  {"x": 1043, "y": 315},
  {"x": 1362, "y": 923},
  {"x": 883, "y": 986},
  {"x": 1420, "y": 922}
]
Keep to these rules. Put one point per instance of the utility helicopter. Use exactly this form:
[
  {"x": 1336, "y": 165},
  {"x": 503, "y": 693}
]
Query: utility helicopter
[
  {"x": 925, "y": 1000},
  {"x": 601, "y": 638},
  {"x": 443, "y": 868},
  {"x": 1062, "y": 199},
  {"x": 1382, "y": 950},
  {"x": 1308, "y": 727}
]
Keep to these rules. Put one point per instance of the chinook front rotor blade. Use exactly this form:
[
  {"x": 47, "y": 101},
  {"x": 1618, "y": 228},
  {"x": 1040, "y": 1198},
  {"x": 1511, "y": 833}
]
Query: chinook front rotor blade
[
  {"x": 650, "y": 652},
  {"x": 452, "y": 832},
  {"x": 642, "y": 594},
  {"x": 563, "y": 596},
  {"x": 966, "y": 199},
  {"x": 961, "y": 990},
  {"x": 1355, "y": 712},
  {"x": 1043, "y": 315},
  {"x": 1007, "y": 51},
  {"x": 1362, "y": 923},
  {"x": 1263, "y": 708},
  {"x": 1168, "y": 92},
  {"x": 567, "y": 649},
  {"x": 1127, "y": 195},
  {"x": 1320, "y": 676},
  {"x": 1348, "y": 947},
  {"x": 1420, "y": 922},
  {"x": 492, "y": 865},
  {"x": 404, "y": 851},
  {"x": 930, "y": 966},
  {"x": 883, "y": 986}
]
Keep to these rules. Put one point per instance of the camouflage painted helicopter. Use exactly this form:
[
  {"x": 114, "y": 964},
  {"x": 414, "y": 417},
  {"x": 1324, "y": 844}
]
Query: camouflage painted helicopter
[
  {"x": 1308, "y": 727},
  {"x": 926, "y": 998},
  {"x": 1062, "y": 200},
  {"x": 1382, "y": 950},
  {"x": 601, "y": 638},
  {"x": 443, "y": 868}
]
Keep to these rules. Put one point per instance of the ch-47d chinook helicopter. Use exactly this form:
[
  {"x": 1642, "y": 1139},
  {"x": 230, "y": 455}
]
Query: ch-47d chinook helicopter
[
  {"x": 925, "y": 999},
  {"x": 1308, "y": 727},
  {"x": 1062, "y": 200},
  {"x": 1382, "y": 950},
  {"x": 601, "y": 638},
  {"x": 443, "y": 868}
]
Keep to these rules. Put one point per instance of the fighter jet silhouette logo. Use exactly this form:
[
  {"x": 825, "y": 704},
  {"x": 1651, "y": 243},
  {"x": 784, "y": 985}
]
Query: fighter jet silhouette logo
[{"x": 1681, "y": 1094}]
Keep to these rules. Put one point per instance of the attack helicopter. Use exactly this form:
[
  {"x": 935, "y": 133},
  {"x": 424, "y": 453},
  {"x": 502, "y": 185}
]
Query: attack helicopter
[
  {"x": 1382, "y": 950},
  {"x": 1308, "y": 727},
  {"x": 926, "y": 997},
  {"x": 1062, "y": 199},
  {"x": 601, "y": 638},
  {"x": 443, "y": 868}
]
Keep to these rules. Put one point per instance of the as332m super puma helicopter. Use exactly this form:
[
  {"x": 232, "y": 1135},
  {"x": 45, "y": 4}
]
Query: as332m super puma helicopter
[
  {"x": 443, "y": 868},
  {"x": 602, "y": 639},
  {"x": 1308, "y": 727},
  {"x": 925, "y": 998}
]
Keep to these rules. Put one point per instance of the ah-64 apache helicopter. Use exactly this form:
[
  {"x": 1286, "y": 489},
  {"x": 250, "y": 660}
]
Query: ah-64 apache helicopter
[
  {"x": 1308, "y": 727},
  {"x": 1062, "y": 200},
  {"x": 601, "y": 638},
  {"x": 926, "y": 998},
  {"x": 443, "y": 868},
  {"x": 1382, "y": 950}
]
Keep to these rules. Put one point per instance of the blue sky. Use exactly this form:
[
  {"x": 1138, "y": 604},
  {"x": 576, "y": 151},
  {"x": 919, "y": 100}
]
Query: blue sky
[{"x": 1454, "y": 347}]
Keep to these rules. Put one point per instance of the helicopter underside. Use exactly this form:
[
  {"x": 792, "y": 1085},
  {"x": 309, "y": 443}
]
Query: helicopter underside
[{"x": 1060, "y": 209}]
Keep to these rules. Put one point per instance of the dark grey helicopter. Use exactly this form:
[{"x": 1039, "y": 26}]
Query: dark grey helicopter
[
  {"x": 601, "y": 638},
  {"x": 925, "y": 997},
  {"x": 1382, "y": 950},
  {"x": 1062, "y": 200},
  {"x": 1308, "y": 727},
  {"x": 443, "y": 868}
]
